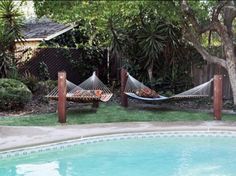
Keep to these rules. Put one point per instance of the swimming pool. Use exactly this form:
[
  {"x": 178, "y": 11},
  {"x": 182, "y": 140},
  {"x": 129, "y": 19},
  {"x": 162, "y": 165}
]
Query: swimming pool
[{"x": 173, "y": 153}]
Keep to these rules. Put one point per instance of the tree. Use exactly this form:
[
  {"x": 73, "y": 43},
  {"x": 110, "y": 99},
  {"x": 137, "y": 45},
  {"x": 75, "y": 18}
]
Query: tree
[
  {"x": 10, "y": 30},
  {"x": 219, "y": 19}
]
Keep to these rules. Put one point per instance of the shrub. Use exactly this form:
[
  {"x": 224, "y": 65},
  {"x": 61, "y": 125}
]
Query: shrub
[
  {"x": 30, "y": 81},
  {"x": 43, "y": 88},
  {"x": 43, "y": 71},
  {"x": 13, "y": 94}
]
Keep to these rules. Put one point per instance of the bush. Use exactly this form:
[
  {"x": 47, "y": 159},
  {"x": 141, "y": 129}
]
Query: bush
[
  {"x": 43, "y": 88},
  {"x": 30, "y": 81},
  {"x": 13, "y": 94}
]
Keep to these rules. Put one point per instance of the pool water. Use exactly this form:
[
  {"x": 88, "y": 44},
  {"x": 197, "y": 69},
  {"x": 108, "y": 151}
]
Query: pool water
[{"x": 149, "y": 156}]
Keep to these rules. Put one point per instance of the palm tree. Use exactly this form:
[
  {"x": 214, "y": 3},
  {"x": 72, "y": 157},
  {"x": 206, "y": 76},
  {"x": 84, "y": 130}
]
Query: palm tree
[
  {"x": 10, "y": 31},
  {"x": 151, "y": 40}
]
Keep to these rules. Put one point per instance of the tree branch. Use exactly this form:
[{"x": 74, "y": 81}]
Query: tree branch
[
  {"x": 190, "y": 17},
  {"x": 205, "y": 54},
  {"x": 218, "y": 9},
  {"x": 189, "y": 14}
]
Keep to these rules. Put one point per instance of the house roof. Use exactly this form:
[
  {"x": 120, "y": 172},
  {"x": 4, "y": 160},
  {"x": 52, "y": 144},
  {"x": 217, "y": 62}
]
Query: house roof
[{"x": 43, "y": 29}]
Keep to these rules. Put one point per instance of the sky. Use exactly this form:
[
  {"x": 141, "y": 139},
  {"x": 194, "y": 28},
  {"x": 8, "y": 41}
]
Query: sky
[{"x": 27, "y": 8}]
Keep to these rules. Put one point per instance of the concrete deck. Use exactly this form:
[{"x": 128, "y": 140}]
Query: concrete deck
[{"x": 17, "y": 137}]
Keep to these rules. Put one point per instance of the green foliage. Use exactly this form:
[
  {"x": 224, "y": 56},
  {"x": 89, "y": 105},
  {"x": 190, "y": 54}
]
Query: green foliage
[
  {"x": 30, "y": 81},
  {"x": 169, "y": 55},
  {"x": 6, "y": 62},
  {"x": 75, "y": 38},
  {"x": 10, "y": 30},
  {"x": 49, "y": 85},
  {"x": 43, "y": 71},
  {"x": 13, "y": 94},
  {"x": 89, "y": 60},
  {"x": 96, "y": 15},
  {"x": 151, "y": 41},
  {"x": 44, "y": 88}
]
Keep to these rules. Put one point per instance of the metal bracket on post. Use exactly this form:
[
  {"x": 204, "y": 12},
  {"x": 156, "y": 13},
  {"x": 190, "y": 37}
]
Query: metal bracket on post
[
  {"x": 123, "y": 80},
  {"x": 218, "y": 100},
  {"x": 62, "y": 89}
]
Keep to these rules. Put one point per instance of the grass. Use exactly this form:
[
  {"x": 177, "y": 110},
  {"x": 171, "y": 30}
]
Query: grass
[{"x": 110, "y": 113}]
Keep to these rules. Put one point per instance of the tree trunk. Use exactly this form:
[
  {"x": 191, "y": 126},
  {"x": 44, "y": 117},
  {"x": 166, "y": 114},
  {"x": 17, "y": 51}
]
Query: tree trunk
[
  {"x": 150, "y": 72},
  {"x": 230, "y": 62},
  {"x": 231, "y": 67}
]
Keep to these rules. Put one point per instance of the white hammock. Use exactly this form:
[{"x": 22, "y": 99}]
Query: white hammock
[
  {"x": 70, "y": 86},
  {"x": 132, "y": 85},
  {"x": 92, "y": 83},
  {"x": 53, "y": 95}
]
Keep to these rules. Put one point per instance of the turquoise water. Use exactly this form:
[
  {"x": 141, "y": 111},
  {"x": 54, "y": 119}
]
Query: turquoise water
[{"x": 159, "y": 156}]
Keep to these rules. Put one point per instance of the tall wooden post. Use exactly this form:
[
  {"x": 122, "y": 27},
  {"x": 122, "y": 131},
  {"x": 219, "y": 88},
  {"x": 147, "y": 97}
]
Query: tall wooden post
[
  {"x": 123, "y": 80},
  {"x": 95, "y": 103},
  {"x": 217, "y": 97},
  {"x": 62, "y": 97}
]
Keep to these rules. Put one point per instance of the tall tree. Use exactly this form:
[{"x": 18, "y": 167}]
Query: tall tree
[{"x": 219, "y": 19}]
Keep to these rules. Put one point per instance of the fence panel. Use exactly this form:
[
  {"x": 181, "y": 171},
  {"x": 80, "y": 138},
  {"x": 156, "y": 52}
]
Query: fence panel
[
  {"x": 207, "y": 72},
  {"x": 59, "y": 59}
]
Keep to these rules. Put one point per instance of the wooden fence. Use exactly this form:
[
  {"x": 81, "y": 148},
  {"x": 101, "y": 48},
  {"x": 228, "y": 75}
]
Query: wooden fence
[
  {"x": 205, "y": 73},
  {"x": 59, "y": 59}
]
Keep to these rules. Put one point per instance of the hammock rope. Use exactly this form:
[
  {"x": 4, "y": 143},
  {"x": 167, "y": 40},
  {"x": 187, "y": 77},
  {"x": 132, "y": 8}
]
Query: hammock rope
[
  {"x": 70, "y": 86},
  {"x": 200, "y": 90},
  {"x": 94, "y": 83},
  {"x": 133, "y": 85},
  {"x": 53, "y": 95}
]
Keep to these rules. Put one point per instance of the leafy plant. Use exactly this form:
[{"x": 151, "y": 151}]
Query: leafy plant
[
  {"x": 10, "y": 30},
  {"x": 43, "y": 71},
  {"x": 151, "y": 39},
  {"x": 30, "y": 81},
  {"x": 13, "y": 94}
]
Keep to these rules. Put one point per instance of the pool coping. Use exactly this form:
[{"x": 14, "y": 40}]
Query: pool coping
[
  {"x": 60, "y": 146},
  {"x": 20, "y": 137}
]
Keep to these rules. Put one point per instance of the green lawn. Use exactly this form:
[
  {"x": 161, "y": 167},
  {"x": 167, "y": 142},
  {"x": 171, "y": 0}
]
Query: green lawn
[{"x": 110, "y": 113}]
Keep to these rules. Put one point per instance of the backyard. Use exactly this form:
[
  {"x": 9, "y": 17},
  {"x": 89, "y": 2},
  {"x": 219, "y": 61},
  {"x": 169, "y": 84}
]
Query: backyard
[{"x": 117, "y": 88}]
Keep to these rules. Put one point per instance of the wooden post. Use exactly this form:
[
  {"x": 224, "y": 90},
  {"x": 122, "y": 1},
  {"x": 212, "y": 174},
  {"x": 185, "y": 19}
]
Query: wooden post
[
  {"x": 217, "y": 97},
  {"x": 62, "y": 97},
  {"x": 95, "y": 103},
  {"x": 123, "y": 80}
]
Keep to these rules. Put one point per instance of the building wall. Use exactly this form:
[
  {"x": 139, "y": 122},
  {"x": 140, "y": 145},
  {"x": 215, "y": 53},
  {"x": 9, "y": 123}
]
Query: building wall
[
  {"x": 26, "y": 44},
  {"x": 25, "y": 49}
]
